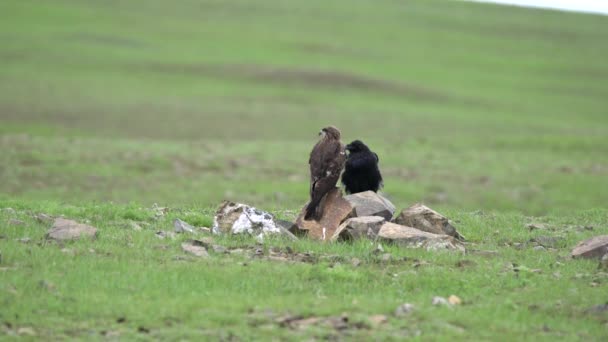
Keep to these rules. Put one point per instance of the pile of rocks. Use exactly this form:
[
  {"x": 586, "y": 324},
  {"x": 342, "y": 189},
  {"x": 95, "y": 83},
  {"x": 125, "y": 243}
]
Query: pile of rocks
[{"x": 365, "y": 215}]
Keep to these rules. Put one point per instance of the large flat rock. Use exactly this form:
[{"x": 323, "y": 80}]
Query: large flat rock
[
  {"x": 335, "y": 208},
  {"x": 426, "y": 219},
  {"x": 369, "y": 203},
  {"x": 64, "y": 229},
  {"x": 596, "y": 247},
  {"x": 415, "y": 238}
]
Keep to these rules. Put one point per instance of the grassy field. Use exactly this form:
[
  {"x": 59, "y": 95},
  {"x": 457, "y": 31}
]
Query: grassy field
[{"x": 495, "y": 116}]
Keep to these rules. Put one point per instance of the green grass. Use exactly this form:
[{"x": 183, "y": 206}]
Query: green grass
[
  {"x": 109, "y": 107},
  {"x": 81, "y": 289}
]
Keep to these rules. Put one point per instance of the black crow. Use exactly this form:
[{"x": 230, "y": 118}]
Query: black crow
[{"x": 361, "y": 171}]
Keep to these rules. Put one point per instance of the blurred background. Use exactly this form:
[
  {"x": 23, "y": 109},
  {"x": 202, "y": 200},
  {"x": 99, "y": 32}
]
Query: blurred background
[{"x": 469, "y": 106}]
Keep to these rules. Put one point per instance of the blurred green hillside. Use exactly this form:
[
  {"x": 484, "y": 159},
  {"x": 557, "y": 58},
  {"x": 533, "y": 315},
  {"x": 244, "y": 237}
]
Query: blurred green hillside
[{"x": 469, "y": 106}]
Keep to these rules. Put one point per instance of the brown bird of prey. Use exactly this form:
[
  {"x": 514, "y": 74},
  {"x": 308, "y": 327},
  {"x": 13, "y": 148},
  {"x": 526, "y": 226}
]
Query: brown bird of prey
[{"x": 326, "y": 162}]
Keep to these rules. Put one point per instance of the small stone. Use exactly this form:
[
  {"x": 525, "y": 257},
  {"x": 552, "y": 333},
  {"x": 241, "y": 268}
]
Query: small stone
[
  {"x": 69, "y": 230},
  {"x": 355, "y": 262},
  {"x": 604, "y": 262},
  {"x": 195, "y": 247},
  {"x": 378, "y": 320},
  {"x": 43, "y": 218},
  {"x": 134, "y": 225},
  {"x": 440, "y": 301},
  {"x": 596, "y": 309},
  {"x": 547, "y": 241},
  {"x": 9, "y": 211},
  {"x": 454, "y": 300},
  {"x": 539, "y": 248},
  {"x": 161, "y": 234},
  {"x": 386, "y": 257},
  {"x": 219, "y": 249},
  {"x": 15, "y": 222},
  {"x": 426, "y": 219},
  {"x": 182, "y": 227},
  {"x": 27, "y": 331},
  {"x": 404, "y": 309},
  {"x": 596, "y": 247}
]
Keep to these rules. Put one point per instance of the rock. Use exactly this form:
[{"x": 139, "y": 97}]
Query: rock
[
  {"x": 377, "y": 320},
  {"x": 547, "y": 241},
  {"x": 9, "y": 211},
  {"x": 335, "y": 210},
  {"x": 596, "y": 247},
  {"x": 219, "y": 249},
  {"x": 412, "y": 237},
  {"x": 539, "y": 248},
  {"x": 63, "y": 229},
  {"x": 454, "y": 300},
  {"x": 359, "y": 227},
  {"x": 355, "y": 262},
  {"x": 386, "y": 257},
  {"x": 596, "y": 309},
  {"x": 15, "y": 222},
  {"x": 604, "y": 262},
  {"x": 182, "y": 227},
  {"x": 26, "y": 331},
  {"x": 161, "y": 234},
  {"x": 404, "y": 309},
  {"x": 134, "y": 225},
  {"x": 369, "y": 203},
  {"x": 426, "y": 219},
  {"x": 43, "y": 218},
  {"x": 195, "y": 247},
  {"x": 440, "y": 301},
  {"x": 237, "y": 218}
]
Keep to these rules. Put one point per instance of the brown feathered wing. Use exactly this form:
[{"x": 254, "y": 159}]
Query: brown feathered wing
[{"x": 326, "y": 163}]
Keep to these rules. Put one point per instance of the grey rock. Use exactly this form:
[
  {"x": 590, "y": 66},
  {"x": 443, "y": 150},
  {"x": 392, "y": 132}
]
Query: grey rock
[
  {"x": 134, "y": 225},
  {"x": 43, "y": 218},
  {"x": 359, "y": 227},
  {"x": 161, "y": 234},
  {"x": 9, "y": 211},
  {"x": 355, "y": 262},
  {"x": 547, "y": 241},
  {"x": 539, "y": 248},
  {"x": 596, "y": 247},
  {"x": 369, "y": 203},
  {"x": 15, "y": 222},
  {"x": 196, "y": 248},
  {"x": 238, "y": 218},
  {"x": 604, "y": 262},
  {"x": 426, "y": 219},
  {"x": 404, "y": 309},
  {"x": 440, "y": 301},
  {"x": 596, "y": 309},
  {"x": 182, "y": 227},
  {"x": 386, "y": 257},
  {"x": 64, "y": 229},
  {"x": 414, "y": 238},
  {"x": 219, "y": 249}
]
